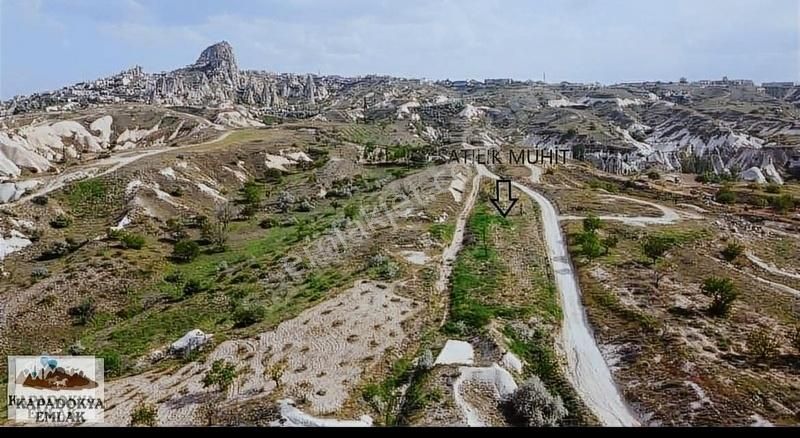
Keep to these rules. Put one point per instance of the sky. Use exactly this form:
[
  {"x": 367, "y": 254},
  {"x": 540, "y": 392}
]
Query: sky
[{"x": 46, "y": 44}]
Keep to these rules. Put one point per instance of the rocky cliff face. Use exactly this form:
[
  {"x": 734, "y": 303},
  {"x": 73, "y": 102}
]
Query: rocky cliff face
[{"x": 215, "y": 79}]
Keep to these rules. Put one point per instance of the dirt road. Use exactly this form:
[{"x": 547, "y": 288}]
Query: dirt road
[{"x": 587, "y": 369}]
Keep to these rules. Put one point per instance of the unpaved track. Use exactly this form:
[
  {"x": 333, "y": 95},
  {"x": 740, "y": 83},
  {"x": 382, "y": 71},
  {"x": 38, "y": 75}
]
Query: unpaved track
[
  {"x": 769, "y": 267},
  {"x": 669, "y": 216},
  {"x": 115, "y": 163},
  {"x": 587, "y": 371},
  {"x": 450, "y": 253}
]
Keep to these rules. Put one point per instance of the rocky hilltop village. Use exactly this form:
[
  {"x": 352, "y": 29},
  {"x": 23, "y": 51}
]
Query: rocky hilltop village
[{"x": 213, "y": 80}]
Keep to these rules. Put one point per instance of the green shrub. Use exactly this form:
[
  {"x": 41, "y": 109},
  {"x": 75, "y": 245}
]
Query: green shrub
[
  {"x": 783, "y": 203},
  {"x": 112, "y": 363},
  {"x": 193, "y": 286},
  {"x": 175, "y": 277},
  {"x": 222, "y": 374},
  {"x": 268, "y": 222},
  {"x": 249, "y": 315},
  {"x": 40, "y": 200},
  {"x": 83, "y": 312},
  {"x": 732, "y": 251},
  {"x": 592, "y": 223},
  {"x": 762, "y": 344},
  {"x": 144, "y": 414},
  {"x": 132, "y": 240},
  {"x": 61, "y": 221},
  {"x": 655, "y": 176},
  {"x": 57, "y": 250},
  {"x": 39, "y": 272},
  {"x": 725, "y": 196},
  {"x": 722, "y": 292},
  {"x": 773, "y": 189},
  {"x": 185, "y": 250}
]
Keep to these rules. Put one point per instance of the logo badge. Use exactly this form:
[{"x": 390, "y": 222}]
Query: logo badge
[{"x": 55, "y": 389}]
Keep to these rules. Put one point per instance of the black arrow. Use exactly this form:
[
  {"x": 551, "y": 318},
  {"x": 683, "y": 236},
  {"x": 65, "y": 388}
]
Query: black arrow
[{"x": 497, "y": 202}]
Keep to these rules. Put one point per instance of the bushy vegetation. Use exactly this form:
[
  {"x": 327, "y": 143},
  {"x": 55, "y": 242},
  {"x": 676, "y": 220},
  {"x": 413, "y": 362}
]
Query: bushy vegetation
[
  {"x": 144, "y": 414},
  {"x": 58, "y": 249},
  {"x": 725, "y": 196},
  {"x": 384, "y": 267},
  {"x": 222, "y": 374},
  {"x": 83, "y": 312},
  {"x": 732, "y": 251},
  {"x": 533, "y": 405},
  {"x": 131, "y": 240},
  {"x": 762, "y": 344},
  {"x": 185, "y": 251},
  {"x": 656, "y": 247},
  {"x": 61, "y": 221},
  {"x": 722, "y": 292},
  {"x": 248, "y": 315},
  {"x": 654, "y": 175},
  {"x": 252, "y": 197},
  {"x": 783, "y": 203},
  {"x": 773, "y": 189},
  {"x": 193, "y": 286}
]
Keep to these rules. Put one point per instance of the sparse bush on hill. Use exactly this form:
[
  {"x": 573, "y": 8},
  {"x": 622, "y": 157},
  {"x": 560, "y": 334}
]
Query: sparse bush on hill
[
  {"x": 39, "y": 272},
  {"x": 773, "y": 189},
  {"x": 57, "y": 250},
  {"x": 783, "y": 203},
  {"x": 40, "y": 200},
  {"x": 249, "y": 315},
  {"x": 654, "y": 175},
  {"x": 61, "y": 221},
  {"x": 732, "y": 251},
  {"x": 268, "y": 222},
  {"x": 193, "y": 286},
  {"x": 722, "y": 292},
  {"x": 185, "y": 250},
  {"x": 144, "y": 414},
  {"x": 83, "y": 312},
  {"x": 726, "y": 196},
  {"x": 762, "y": 343},
  {"x": 534, "y": 406},
  {"x": 222, "y": 374},
  {"x": 131, "y": 240}
]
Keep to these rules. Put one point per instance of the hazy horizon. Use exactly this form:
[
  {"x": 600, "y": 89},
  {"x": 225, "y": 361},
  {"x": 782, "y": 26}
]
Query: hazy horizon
[{"x": 47, "y": 44}]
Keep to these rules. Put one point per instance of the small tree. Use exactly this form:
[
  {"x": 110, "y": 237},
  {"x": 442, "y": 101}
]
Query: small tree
[
  {"x": 84, "y": 312},
  {"x": 591, "y": 223},
  {"x": 275, "y": 372},
  {"x": 351, "y": 211},
  {"x": 762, "y": 344},
  {"x": 176, "y": 229},
  {"x": 252, "y": 197},
  {"x": 185, "y": 250},
  {"x": 656, "y": 247},
  {"x": 783, "y": 203},
  {"x": 722, "y": 292},
  {"x": 144, "y": 414},
  {"x": 61, "y": 221},
  {"x": 131, "y": 240},
  {"x": 732, "y": 251},
  {"x": 590, "y": 245},
  {"x": 216, "y": 231},
  {"x": 726, "y": 196},
  {"x": 222, "y": 374},
  {"x": 534, "y": 406},
  {"x": 610, "y": 242}
]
